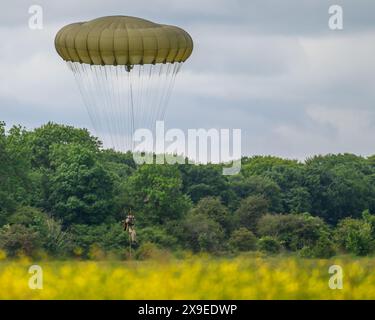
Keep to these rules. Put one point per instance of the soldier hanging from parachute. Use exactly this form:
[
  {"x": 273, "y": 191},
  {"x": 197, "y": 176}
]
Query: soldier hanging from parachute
[{"x": 129, "y": 226}]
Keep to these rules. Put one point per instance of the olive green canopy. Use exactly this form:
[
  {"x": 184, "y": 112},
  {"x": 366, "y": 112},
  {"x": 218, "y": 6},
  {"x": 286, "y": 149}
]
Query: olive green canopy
[{"x": 122, "y": 40}]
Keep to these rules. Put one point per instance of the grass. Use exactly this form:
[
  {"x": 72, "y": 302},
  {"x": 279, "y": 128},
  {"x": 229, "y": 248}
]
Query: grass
[{"x": 245, "y": 277}]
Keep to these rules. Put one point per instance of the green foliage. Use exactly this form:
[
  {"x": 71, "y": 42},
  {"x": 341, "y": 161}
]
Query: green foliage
[
  {"x": 148, "y": 250},
  {"x": 201, "y": 233},
  {"x": 17, "y": 240},
  {"x": 61, "y": 193},
  {"x": 355, "y": 236},
  {"x": 242, "y": 240},
  {"x": 45, "y": 233},
  {"x": 42, "y": 140},
  {"x": 14, "y": 171},
  {"x": 256, "y": 185},
  {"x": 107, "y": 237},
  {"x": 154, "y": 191},
  {"x": 213, "y": 208},
  {"x": 259, "y": 165},
  {"x": 157, "y": 235},
  {"x": 269, "y": 245},
  {"x": 200, "y": 181},
  {"x": 340, "y": 186},
  {"x": 323, "y": 248},
  {"x": 81, "y": 188},
  {"x": 250, "y": 211},
  {"x": 294, "y": 231}
]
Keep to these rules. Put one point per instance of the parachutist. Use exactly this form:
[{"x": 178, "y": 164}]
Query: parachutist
[
  {"x": 129, "y": 226},
  {"x": 129, "y": 68}
]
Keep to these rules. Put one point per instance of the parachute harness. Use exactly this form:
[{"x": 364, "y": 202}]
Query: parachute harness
[{"x": 129, "y": 226}]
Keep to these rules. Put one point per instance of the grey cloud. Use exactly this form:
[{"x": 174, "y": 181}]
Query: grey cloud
[{"x": 271, "y": 68}]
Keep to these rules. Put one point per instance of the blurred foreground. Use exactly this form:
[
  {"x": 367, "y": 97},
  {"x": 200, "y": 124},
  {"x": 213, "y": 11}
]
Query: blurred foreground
[{"x": 244, "y": 277}]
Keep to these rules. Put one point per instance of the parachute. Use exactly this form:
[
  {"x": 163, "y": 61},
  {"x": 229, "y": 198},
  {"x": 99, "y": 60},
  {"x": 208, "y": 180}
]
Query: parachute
[{"x": 125, "y": 68}]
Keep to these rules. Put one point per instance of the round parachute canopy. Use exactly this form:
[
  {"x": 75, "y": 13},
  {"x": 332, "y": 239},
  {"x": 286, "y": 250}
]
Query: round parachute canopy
[{"x": 123, "y": 40}]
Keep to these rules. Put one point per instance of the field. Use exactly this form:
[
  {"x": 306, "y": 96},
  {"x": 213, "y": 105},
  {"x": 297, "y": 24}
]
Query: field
[{"x": 246, "y": 277}]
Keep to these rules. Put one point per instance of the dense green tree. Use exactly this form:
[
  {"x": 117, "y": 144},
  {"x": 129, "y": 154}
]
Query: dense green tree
[
  {"x": 213, "y": 208},
  {"x": 82, "y": 190},
  {"x": 257, "y": 185},
  {"x": 42, "y": 139},
  {"x": 15, "y": 183},
  {"x": 340, "y": 186},
  {"x": 56, "y": 179},
  {"x": 155, "y": 192},
  {"x": 250, "y": 211},
  {"x": 200, "y": 181},
  {"x": 260, "y": 165}
]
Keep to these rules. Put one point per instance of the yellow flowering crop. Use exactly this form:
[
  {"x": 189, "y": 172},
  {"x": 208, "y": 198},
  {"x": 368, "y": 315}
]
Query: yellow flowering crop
[{"x": 244, "y": 277}]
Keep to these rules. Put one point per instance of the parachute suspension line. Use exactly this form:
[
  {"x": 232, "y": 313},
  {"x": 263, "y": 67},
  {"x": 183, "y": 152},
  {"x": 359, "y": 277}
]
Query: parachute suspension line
[
  {"x": 141, "y": 109},
  {"x": 117, "y": 116},
  {"x": 104, "y": 106},
  {"x": 164, "y": 92},
  {"x": 131, "y": 108},
  {"x": 121, "y": 99},
  {"x": 106, "y": 83},
  {"x": 154, "y": 84},
  {"x": 176, "y": 70},
  {"x": 149, "y": 80},
  {"x": 161, "y": 92},
  {"x": 154, "y": 102},
  {"x": 84, "y": 91}
]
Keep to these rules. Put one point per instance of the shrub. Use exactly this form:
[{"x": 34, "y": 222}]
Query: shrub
[
  {"x": 294, "y": 231},
  {"x": 269, "y": 245},
  {"x": 250, "y": 211},
  {"x": 355, "y": 236},
  {"x": 214, "y": 209},
  {"x": 322, "y": 249},
  {"x": 18, "y": 239},
  {"x": 108, "y": 238},
  {"x": 243, "y": 240},
  {"x": 148, "y": 250},
  {"x": 157, "y": 235},
  {"x": 200, "y": 233},
  {"x": 55, "y": 241}
]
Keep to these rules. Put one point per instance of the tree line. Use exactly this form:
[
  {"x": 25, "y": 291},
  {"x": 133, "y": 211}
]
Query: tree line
[{"x": 63, "y": 195}]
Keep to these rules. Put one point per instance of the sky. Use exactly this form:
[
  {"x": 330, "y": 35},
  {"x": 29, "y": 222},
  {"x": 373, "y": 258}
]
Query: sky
[{"x": 273, "y": 69}]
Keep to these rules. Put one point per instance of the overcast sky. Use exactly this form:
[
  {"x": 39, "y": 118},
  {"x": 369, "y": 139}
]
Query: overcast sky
[{"x": 271, "y": 68}]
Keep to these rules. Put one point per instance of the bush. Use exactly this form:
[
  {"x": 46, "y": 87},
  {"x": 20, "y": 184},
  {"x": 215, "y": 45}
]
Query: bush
[
  {"x": 107, "y": 238},
  {"x": 148, "y": 250},
  {"x": 243, "y": 240},
  {"x": 294, "y": 231},
  {"x": 323, "y": 249},
  {"x": 269, "y": 245},
  {"x": 28, "y": 217},
  {"x": 250, "y": 211},
  {"x": 157, "y": 235},
  {"x": 47, "y": 232},
  {"x": 214, "y": 209},
  {"x": 355, "y": 236},
  {"x": 18, "y": 239},
  {"x": 200, "y": 233}
]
